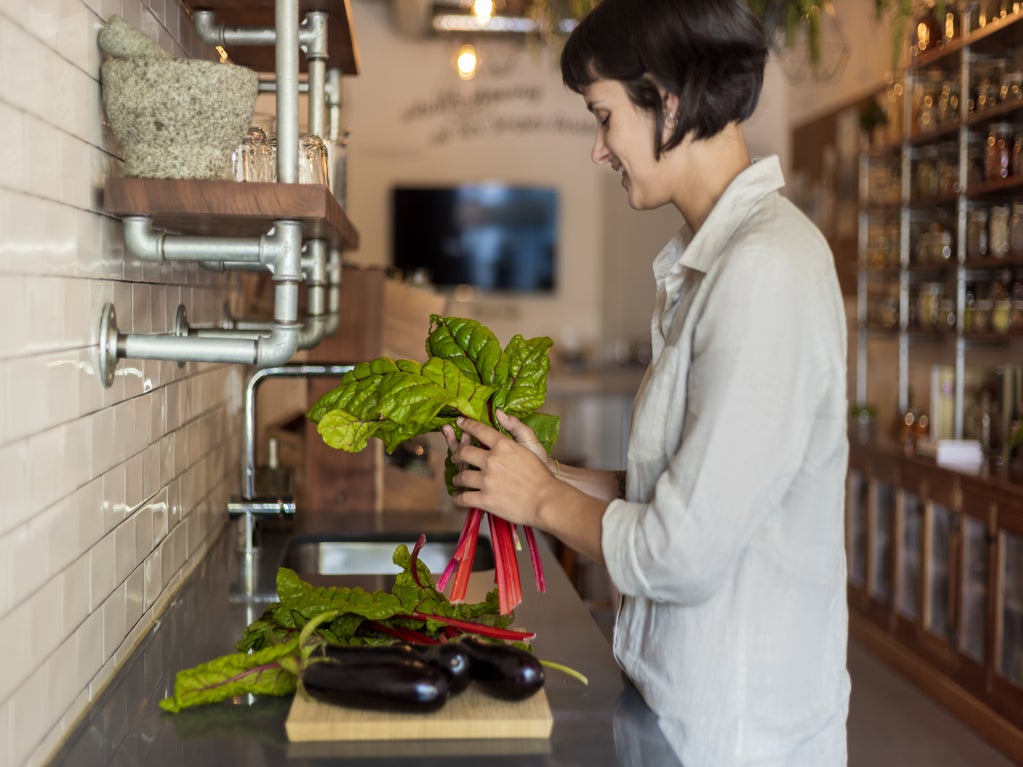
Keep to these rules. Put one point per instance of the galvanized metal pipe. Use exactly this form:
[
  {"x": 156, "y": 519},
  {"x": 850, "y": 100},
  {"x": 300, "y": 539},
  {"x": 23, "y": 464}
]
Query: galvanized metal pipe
[
  {"x": 333, "y": 96},
  {"x": 151, "y": 245},
  {"x": 315, "y": 43},
  {"x": 212, "y": 33},
  {"x": 249, "y": 407},
  {"x": 286, "y": 18},
  {"x": 283, "y": 250}
]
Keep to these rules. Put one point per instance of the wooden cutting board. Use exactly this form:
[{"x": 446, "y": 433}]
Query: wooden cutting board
[{"x": 469, "y": 715}]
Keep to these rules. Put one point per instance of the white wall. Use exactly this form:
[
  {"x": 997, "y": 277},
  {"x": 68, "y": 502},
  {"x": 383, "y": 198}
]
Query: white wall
[{"x": 109, "y": 495}]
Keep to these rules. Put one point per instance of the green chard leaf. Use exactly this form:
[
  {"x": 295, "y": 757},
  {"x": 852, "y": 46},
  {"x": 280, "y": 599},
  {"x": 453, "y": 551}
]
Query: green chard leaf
[
  {"x": 467, "y": 373},
  {"x": 545, "y": 427},
  {"x": 469, "y": 345},
  {"x": 525, "y": 387},
  {"x": 259, "y": 673},
  {"x": 395, "y": 401}
]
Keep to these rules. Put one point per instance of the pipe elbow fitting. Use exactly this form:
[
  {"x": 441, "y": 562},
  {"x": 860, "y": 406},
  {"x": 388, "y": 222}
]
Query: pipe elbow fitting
[
  {"x": 278, "y": 347},
  {"x": 207, "y": 28},
  {"x": 142, "y": 240}
]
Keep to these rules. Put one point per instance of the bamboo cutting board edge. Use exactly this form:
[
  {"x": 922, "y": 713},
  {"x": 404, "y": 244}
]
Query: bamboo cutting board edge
[{"x": 472, "y": 714}]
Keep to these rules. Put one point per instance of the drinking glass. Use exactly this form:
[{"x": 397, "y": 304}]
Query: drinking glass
[{"x": 252, "y": 158}]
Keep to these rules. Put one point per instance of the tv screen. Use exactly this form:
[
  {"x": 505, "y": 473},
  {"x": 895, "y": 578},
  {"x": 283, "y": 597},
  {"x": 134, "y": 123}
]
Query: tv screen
[{"x": 493, "y": 237}]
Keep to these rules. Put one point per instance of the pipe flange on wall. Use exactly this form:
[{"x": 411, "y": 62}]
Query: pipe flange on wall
[{"x": 108, "y": 336}]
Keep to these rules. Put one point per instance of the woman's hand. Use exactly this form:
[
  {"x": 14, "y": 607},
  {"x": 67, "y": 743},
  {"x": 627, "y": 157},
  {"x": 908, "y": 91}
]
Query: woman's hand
[{"x": 501, "y": 475}]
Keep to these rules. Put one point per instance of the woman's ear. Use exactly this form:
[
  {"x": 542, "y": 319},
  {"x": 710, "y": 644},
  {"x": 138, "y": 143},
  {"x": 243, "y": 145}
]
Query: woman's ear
[{"x": 670, "y": 102}]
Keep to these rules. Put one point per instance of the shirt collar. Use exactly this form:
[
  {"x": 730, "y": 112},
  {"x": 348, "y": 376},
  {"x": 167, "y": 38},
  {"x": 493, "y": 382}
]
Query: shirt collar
[{"x": 701, "y": 250}]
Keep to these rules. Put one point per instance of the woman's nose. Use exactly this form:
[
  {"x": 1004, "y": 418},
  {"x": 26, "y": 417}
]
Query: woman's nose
[{"x": 599, "y": 153}]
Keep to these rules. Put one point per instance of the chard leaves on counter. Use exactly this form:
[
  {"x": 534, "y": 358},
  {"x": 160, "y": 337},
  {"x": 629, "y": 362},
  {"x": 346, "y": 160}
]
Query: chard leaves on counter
[
  {"x": 270, "y": 671},
  {"x": 271, "y": 652}
]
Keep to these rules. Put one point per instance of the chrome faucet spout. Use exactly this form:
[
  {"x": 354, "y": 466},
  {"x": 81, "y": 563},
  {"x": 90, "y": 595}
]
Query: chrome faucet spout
[{"x": 250, "y": 507}]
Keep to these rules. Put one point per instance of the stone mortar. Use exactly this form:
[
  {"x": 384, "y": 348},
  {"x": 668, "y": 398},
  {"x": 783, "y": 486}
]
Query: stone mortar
[{"x": 178, "y": 118}]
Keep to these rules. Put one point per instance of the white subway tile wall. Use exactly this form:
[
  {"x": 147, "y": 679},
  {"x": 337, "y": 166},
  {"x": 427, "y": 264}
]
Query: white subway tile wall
[{"x": 109, "y": 496}]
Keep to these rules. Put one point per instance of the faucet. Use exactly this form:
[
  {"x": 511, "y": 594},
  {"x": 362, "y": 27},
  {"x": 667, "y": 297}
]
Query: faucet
[{"x": 251, "y": 507}]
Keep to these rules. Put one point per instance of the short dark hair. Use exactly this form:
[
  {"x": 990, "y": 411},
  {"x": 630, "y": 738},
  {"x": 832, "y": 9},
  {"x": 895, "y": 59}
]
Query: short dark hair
[{"x": 710, "y": 53}]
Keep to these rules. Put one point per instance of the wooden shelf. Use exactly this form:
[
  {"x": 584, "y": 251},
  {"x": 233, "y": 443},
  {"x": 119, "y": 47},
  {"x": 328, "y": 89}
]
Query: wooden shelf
[
  {"x": 342, "y": 51},
  {"x": 231, "y": 208}
]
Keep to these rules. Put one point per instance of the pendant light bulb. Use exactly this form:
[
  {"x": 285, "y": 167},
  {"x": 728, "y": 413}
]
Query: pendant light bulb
[
  {"x": 483, "y": 10},
  {"x": 466, "y": 62}
]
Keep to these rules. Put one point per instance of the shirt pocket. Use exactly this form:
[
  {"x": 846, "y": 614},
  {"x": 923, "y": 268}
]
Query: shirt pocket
[{"x": 659, "y": 413}]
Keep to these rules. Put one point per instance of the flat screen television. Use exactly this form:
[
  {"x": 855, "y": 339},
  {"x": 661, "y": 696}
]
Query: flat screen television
[{"x": 494, "y": 237}]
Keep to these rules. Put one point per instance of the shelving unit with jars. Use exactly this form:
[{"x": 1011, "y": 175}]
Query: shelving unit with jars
[{"x": 936, "y": 553}]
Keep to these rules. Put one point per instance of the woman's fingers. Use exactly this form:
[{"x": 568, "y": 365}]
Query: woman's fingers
[
  {"x": 515, "y": 427},
  {"x": 486, "y": 435}
]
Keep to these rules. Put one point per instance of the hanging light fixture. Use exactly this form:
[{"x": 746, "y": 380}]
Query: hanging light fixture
[
  {"x": 483, "y": 10},
  {"x": 467, "y": 62}
]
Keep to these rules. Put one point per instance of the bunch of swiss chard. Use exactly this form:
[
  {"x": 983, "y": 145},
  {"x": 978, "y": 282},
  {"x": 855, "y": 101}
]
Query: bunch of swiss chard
[
  {"x": 467, "y": 373},
  {"x": 274, "y": 650}
]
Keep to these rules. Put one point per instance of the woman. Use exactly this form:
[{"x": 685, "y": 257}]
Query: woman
[{"x": 726, "y": 540}]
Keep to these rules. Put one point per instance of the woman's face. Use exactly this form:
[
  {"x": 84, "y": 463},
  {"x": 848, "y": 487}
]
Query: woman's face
[{"x": 625, "y": 140}]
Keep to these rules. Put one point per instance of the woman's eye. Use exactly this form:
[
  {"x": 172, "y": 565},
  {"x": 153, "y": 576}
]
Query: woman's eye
[{"x": 605, "y": 120}]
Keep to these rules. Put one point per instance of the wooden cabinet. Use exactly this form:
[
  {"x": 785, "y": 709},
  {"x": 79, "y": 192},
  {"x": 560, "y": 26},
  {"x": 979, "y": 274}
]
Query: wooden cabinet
[{"x": 936, "y": 582}]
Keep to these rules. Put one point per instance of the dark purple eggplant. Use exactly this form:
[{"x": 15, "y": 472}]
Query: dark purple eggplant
[
  {"x": 452, "y": 658},
  {"x": 503, "y": 671},
  {"x": 383, "y": 684},
  {"x": 396, "y": 651},
  {"x": 449, "y": 657}
]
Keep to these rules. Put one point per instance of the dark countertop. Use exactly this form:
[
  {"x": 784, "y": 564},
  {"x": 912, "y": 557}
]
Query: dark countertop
[{"x": 603, "y": 723}]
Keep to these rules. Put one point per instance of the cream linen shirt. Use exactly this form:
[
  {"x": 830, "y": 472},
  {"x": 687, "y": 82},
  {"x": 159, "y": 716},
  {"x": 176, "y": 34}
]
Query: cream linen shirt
[{"x": 728, "y": 547}]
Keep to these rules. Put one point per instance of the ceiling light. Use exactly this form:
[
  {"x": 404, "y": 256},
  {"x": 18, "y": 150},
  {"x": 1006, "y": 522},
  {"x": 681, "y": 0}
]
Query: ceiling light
[
  {"x": 483, "y": 10},
  {"x": 466, "y": 62}
]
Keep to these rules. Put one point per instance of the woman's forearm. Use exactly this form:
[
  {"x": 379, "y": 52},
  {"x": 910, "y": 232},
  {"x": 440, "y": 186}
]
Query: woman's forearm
[{"x": 599, "y": 483}]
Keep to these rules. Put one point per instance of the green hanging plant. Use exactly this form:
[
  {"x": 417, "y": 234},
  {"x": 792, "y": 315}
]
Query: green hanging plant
[{"x": 782, "y": 20}]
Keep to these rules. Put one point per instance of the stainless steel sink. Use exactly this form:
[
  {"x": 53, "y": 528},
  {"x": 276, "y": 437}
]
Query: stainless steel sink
[{"x": 371, "y": 554}]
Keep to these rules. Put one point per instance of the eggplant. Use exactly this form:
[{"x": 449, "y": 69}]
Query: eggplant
[
  {"x": 449, "y": 657},
  {"x": 452, "y": 658},
  {"x": 390, "y": 684},
  {"x": 396, "y": 651},
  {"x": 503, "y": 671}
]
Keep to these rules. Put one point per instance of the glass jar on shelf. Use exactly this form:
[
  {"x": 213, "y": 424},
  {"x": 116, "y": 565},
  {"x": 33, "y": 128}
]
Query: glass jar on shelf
[
  {"x": 947, "y": 169},
  {"x": 981, "y": 320},
  {"x": 998, "y": 151},
  {"x": 1016, "y": 297},
  {"x": 947, "y": 107},
  {"x": 926, "y": 94},
  {"x": 1011, "y": 88},
  {"x": 976, "y": 233},
  {"x": 1016, "y": 230},
  {"x": 927, "y": 172},
  {"x": 975, "y": 159},
  {"x": 998, "y": 231},
  {"x": 928, "y": 304},
  {"x": 929, "y": 31},
  {"x": 969, "y": 306},
  {"x": 985, "y": 93},
  {"x": 1001, "y": 315}
]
